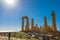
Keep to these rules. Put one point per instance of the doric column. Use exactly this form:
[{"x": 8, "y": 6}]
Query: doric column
[
  {"x": 53, "y": 20},
  {"x": 22, "y": 24},
  {"x": 45, "y": 22},
  {"x": 27, "y": 23},
  {"x": 32, "y": 24}
]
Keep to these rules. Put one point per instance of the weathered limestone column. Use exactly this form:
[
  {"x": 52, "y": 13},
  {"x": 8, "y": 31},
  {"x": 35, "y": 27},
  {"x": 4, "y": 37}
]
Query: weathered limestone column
[
  {"x": 27, "y": 24},
  {"x": 22, "y": 24},
  {"x": 45, "y": 22},
  {"x": 53, "y": 20},
  {"x": 32, "y": 25}
]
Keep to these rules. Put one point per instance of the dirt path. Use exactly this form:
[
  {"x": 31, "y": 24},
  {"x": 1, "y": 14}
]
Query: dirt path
[{"x": 6, "y": 38}]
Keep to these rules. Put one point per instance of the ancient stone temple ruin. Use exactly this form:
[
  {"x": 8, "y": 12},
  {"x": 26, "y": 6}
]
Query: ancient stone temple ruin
[{"x": 46, "y": 27}]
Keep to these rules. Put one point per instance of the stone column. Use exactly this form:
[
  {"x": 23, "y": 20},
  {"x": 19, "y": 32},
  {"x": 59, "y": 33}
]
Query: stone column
[
  {"x": 27, "y": 24},
  {"x": 32, "y": 25},
  {"x": 53, "y": 20},
  {"x": 45, "y": 22},
  {"x": 22, "y": 24}
]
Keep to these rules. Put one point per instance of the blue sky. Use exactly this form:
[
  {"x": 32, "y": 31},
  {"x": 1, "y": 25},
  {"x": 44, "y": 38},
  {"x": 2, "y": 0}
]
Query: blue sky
[{"x": 37, "y": 9}]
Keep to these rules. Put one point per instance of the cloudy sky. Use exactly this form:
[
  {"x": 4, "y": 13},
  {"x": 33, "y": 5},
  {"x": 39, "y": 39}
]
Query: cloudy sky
[{"x": 11, "y": 12}]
